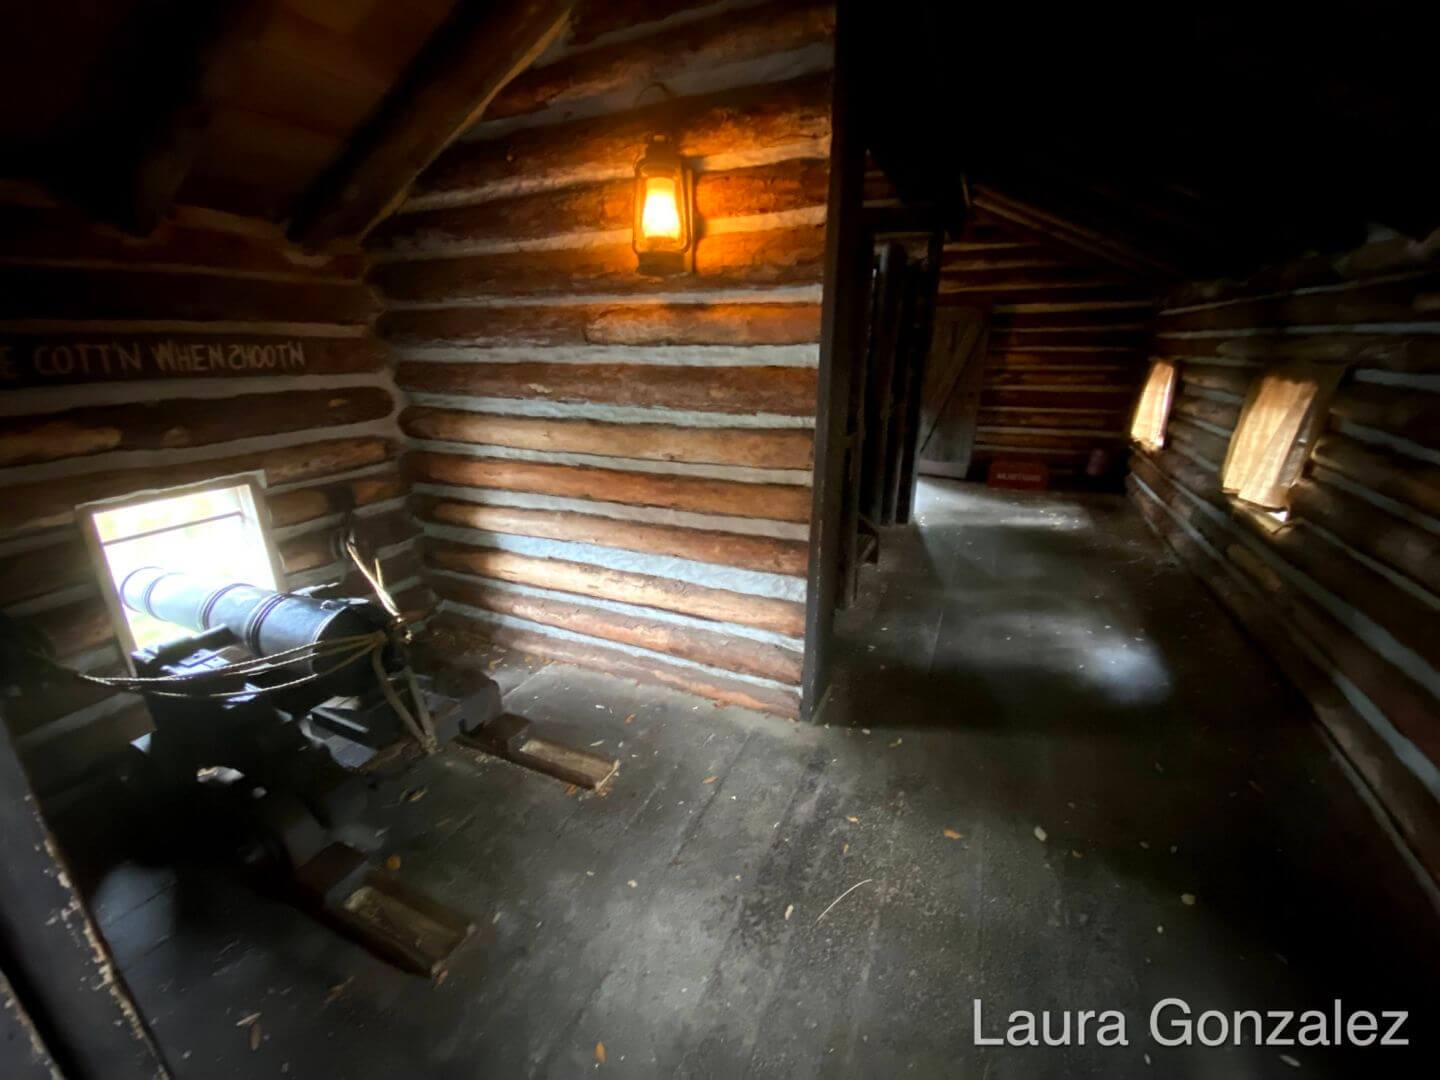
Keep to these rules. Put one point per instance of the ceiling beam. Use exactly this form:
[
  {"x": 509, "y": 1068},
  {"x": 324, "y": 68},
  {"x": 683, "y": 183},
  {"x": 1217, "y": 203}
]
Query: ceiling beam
[
  {"x": 175, "y": 138},
  {"x": 479, "y": 48}
]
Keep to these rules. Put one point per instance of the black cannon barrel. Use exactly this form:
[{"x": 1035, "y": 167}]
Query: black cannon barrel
[{"x": 263, "y": 620}]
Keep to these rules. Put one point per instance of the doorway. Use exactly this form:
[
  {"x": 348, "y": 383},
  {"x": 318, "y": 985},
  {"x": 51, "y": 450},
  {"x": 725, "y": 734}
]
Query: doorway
[{"x": 950, "y": 392}]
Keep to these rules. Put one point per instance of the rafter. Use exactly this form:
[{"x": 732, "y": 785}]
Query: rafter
[
  {"x": 1090, "y": 240},
  {"x": 469, "y": 58}
]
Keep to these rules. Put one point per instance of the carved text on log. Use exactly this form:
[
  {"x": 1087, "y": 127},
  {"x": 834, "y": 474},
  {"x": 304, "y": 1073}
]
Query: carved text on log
[{"x": 95, "y": 360}]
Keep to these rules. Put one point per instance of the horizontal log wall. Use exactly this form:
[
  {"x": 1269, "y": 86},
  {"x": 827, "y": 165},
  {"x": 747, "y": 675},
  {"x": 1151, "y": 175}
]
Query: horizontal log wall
[
  {"x": 614, "y": 469},
  {"x": 210, "y": 348},
  {"x": 1066, "y": 348},
  {"x": 1346, "y": 593}
]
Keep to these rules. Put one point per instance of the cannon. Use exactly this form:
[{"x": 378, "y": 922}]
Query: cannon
[
  {"x": 263, "y": 621},
  {"x": 264, "y": 710},
  {"x": 321, "y": 645}
]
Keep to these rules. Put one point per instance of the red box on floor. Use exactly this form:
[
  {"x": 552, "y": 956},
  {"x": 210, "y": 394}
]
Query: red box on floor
[{"x": 1018, "y": 473}]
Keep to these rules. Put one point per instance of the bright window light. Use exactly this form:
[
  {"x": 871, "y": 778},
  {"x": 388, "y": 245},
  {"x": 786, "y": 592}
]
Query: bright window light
[
  {"x": 1272, "y": 441},
  {"x": 1148, "y": 427},
  {"x": 212, "y": 532}
]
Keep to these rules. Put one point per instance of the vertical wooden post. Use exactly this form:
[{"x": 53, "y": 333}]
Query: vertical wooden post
[
  {"x": 899, "y": 449},
  {"x": 901, "y": 500},
  {"x": 841, "y": 340},
  {"x": 884, "y": 360},
  {"x": 911, "y": 309},
  {"x": 52, "y": 955},
  {"x": 23, "y": 1053},
  {"x": 851, "y": 526}
]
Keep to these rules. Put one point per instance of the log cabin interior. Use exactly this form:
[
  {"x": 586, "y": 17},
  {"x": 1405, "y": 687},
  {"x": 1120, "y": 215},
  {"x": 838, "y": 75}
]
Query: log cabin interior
[{"x": 717, "y": 538}]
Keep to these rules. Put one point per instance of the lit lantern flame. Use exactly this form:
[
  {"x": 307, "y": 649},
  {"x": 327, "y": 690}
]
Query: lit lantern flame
[
  {"x": 660, "y": 219},
  {"x": 663, "y": 236}
]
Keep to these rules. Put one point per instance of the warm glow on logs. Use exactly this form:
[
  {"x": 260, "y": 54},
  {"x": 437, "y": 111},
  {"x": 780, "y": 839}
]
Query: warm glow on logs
[{"x": 664, "y": 196}]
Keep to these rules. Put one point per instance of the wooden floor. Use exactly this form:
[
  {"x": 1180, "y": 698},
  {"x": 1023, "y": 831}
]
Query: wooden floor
[{"x": 1050, "y": 738}]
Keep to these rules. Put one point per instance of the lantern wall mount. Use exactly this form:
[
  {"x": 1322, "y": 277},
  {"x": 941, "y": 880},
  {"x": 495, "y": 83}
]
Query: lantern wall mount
[{"x": 664, "y": 236}]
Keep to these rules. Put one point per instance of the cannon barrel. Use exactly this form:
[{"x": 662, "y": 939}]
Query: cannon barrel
[{"x": 263, "y": 620}]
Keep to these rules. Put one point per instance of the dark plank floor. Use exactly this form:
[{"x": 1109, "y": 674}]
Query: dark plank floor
[{"x": 1020, "y": 667}]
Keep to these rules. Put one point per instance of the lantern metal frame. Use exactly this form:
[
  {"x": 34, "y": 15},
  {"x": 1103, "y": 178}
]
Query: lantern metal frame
[{"x": 664, "y": 256}]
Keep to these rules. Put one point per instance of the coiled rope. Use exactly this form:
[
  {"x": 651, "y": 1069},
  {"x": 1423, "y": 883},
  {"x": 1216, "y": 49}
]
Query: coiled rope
[{"x": 351, "y": 649}]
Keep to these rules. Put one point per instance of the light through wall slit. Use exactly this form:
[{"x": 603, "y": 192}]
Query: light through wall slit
[{"x": 1148, "y": 426}]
